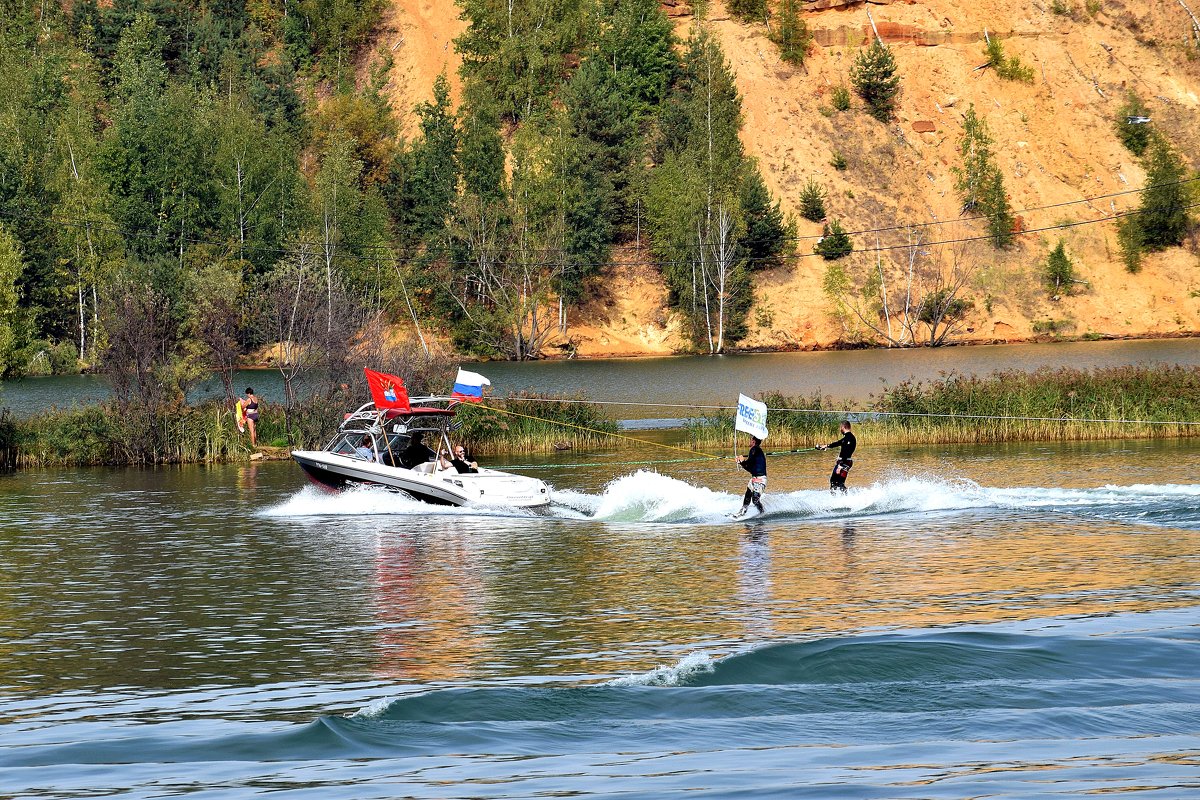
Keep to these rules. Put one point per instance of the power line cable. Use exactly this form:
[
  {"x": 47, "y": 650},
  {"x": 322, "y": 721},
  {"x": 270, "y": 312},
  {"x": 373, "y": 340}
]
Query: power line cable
[
  {"x": 229, "y": 246},
  {"x": 861, "y": 413}
]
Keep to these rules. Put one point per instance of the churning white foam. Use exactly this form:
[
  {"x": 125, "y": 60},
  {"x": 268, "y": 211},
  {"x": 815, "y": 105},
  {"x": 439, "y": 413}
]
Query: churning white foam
[
  {"x": 693, "y": 664},
  {"x": 650, "y": 497},
  {"x": 312, "y": 501}
]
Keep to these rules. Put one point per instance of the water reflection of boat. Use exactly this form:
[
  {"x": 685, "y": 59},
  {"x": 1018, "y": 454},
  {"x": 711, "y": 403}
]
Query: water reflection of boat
[{"x": 369, "y": 447}]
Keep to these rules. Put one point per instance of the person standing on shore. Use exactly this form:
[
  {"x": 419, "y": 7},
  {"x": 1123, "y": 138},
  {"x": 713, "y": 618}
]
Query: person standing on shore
[
  {"x": 754, "y": 462},
  {"x": 250, "y": 409},
  {"x": 841, "y": 467}
]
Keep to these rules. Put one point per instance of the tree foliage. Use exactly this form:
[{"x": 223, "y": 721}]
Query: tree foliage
[
  {"x": 1059, "y": 270},
  {"x": 213, "y": 154},
  {"x": 874, "y": 76},
  {"x": 812, "y": 201},
  {"x": 790, "y": 33},
  {"x": 1133, "y": 125},
  {"x": 834, "y": 242},
  {"x": 979, "y": 182}
]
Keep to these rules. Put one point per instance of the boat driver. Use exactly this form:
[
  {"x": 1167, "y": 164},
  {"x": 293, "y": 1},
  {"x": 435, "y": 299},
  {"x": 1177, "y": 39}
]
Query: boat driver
[{"x": 416, "y": 452}]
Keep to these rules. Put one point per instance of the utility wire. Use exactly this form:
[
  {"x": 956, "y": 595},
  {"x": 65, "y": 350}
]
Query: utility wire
[
  {"x": 868, "y": 414},
  {"x": 390, "y": 249},
  {"x": 576, "y": 264}
]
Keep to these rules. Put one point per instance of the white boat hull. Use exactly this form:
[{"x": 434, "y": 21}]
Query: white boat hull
[{"x": 441, "y": 487}]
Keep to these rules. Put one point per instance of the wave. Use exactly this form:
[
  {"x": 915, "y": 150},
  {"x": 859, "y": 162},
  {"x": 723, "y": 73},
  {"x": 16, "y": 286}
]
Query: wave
[{"x": 1107, "y": 702}]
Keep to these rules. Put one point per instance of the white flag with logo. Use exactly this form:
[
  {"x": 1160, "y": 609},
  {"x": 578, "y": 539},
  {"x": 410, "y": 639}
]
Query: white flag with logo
[{"x": 751, "y": 417}]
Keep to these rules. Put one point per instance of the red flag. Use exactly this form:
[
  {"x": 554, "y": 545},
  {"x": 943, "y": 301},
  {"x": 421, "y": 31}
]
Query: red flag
[{"x": 387, "y": 390}]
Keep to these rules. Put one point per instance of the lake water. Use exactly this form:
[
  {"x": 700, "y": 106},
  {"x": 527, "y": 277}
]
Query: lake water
[
  {"x": 1020, "y": 621},
  {"x": 850, "y": 375}
]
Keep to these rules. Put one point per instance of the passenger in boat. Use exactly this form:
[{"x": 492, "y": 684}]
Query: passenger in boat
[
  {"x": 250, "y": 409},
  {"x": 416, "y": 452},
  {"x": 755, "y": 463},
  {"x": 364, "y": 449},
  {"x": 460, "y": 461},
  {"x": 841, "y": 467}
]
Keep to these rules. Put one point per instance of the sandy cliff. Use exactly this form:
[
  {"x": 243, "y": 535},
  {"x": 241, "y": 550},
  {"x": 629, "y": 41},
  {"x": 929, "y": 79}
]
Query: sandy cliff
[{"x": 1053, "y": 138}]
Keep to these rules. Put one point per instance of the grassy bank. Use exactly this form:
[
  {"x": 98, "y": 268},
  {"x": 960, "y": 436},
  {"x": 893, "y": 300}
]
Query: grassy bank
[
  {"x": 525, "y": 423},
  {"x": 1048, "y": 405},
  {"x": 104, "y": 435}
]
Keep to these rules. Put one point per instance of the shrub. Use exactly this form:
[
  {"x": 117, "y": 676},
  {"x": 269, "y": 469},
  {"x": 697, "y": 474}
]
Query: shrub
[
  {"x": 812, "y": 201},
  {"x": 1009, "y": 68},
  {"x": 875, "y": 79},
  {"x": 748, "y": 10},
  {"x": 63, "y": 359},
  {"x": 834, "y": 242},
  {"x": 838, "y": 161},
  {"x": 840, "y": 97}
]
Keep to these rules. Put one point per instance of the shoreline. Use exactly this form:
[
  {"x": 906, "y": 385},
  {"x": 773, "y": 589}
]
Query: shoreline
[{"x": 835, "y": 347}]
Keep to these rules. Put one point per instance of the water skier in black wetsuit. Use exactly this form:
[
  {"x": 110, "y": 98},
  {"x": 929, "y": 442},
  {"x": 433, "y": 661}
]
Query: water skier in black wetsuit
[
  {"x": 755, "y": 463},
  {"x": 837, "y": 480}
]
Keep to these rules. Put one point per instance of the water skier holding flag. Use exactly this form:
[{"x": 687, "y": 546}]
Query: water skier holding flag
[{"x": 752, "y": 418}]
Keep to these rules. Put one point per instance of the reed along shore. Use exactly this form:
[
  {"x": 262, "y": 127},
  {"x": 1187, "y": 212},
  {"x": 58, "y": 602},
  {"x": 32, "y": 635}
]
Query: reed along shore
[
  {"x": 207, "y": 433},
  {"x": 1131, "y": 402}
]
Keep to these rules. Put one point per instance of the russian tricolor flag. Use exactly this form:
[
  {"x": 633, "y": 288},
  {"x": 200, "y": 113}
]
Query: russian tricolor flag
[{"x": 468, "y": 386}]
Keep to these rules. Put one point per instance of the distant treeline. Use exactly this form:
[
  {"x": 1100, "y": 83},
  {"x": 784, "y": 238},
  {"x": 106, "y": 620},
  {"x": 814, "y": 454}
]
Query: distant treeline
[{"x": 184, "y": 183}]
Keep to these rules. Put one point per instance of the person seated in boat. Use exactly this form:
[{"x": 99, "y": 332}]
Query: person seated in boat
[
  {"x": 416, "y": 453},
  {"x": 459, "y": 460},
  {"x": 363, "y": 450}
]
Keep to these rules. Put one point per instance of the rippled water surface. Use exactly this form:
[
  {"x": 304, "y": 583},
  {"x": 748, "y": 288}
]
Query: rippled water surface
[{"x": 1019, "y": 621}]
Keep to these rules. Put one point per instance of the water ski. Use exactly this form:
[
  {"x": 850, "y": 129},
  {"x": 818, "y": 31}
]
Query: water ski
[{"x": 746, "y": 513}]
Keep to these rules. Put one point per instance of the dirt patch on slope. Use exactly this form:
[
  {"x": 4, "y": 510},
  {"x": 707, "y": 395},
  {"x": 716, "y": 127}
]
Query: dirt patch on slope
[{"x": 419, "y": 36}]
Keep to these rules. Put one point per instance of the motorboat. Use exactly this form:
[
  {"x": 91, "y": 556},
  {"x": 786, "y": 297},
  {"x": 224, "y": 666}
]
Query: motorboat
[{"x": 403, "y": 450}]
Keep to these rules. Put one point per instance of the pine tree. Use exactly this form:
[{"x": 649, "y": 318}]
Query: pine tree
[
  {"x": 427, "y": 187},
  {"x": 1163, "y": 216},
  {"x": 481, "y": 154},
  {"x": 979, "y": 182},
  {"x": 874, "y": 77},
  {"x": 812, "y": 201},
  {"x": 1132, "y": 124},
  {"x": 834, "y": 242},
  {"x": 765, "y": 228},
  {"x": 639, "y": 47},
  {"x": 994, "y": 204},
  {"x": 1060, "y": 272},
  {"x": 791, "y": 33}
]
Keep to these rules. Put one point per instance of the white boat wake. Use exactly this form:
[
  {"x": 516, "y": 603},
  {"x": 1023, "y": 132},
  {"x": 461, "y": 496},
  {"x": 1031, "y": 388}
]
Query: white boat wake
[{"x": 650, "y": 497}]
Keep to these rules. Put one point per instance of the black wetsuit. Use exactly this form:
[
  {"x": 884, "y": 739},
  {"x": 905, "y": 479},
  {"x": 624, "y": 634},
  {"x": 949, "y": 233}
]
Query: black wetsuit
[
  {"x": 756, "y": 464},
  {"x": 837, "y": 480},
  {"x": 461, "y": 465},
  {"x": 416, "y": 453}
]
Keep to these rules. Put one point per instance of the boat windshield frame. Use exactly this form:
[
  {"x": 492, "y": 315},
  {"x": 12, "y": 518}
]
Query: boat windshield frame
[{"x": 426, "y": 415}]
